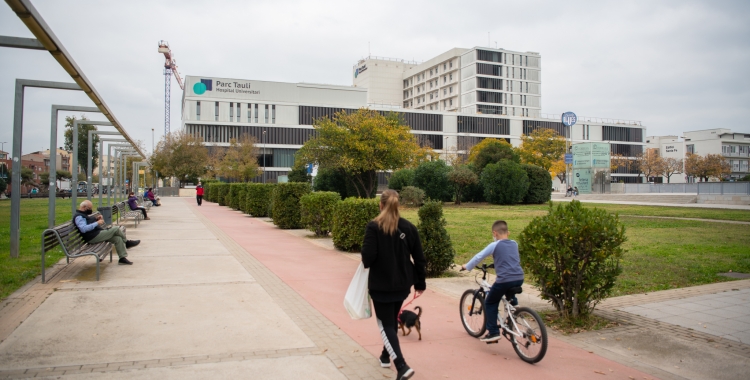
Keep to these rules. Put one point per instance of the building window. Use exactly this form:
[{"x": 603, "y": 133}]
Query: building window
[
  {"x": 273, "y": 114},
  {"x": 256, "y": 112},
  {"x": 198, "y": 110},
  {"x": 488, "y": 69},
  {"x": 690, "y": 148},
  {"x": 216, "y": 114},
  {"x": 231, "y": 111},
  {"x": 265, "y": 116},
  {"x": 450, "y": 64},
  {"x": 430, "y": 72},
  {"x": 445, "y": 65},
  {"x": 249, "y": 113},
  {"x": 450, "y": 76},
  {"x": 450, "y": 101},
  {"x": 450, "y": 89}
]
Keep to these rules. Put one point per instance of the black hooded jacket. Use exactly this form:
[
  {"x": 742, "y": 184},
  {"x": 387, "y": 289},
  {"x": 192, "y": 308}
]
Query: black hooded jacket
[{"x": 390, "y": 258}]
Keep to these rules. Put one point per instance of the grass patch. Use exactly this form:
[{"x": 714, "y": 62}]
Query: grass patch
[
  {"x": 553, "y": 320},
  {"x": 661, "y": 253},
  {"x": 674, "y": 212},
  {"x": 14, "y": 273}
]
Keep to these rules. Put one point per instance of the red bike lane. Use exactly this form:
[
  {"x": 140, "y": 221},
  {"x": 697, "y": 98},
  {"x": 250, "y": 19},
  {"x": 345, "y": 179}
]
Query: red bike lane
[{"x": 446, "y": 351}]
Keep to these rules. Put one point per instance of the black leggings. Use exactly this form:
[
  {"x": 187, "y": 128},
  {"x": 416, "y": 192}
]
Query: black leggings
[{"x": 387, "y": 316}]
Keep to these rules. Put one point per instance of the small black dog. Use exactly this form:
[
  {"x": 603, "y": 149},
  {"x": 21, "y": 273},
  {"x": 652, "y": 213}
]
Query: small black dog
[{"x": 409, "y": 319}]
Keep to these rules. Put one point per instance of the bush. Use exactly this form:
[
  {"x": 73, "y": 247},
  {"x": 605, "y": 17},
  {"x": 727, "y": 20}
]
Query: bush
[
  {"x": 258, "y": 199},
  {"x": 222, "y": 192},
  {"x": 412, "y": 196},
  {"x": 234, "y": 195},
  {"x": 299, "y": 173},
  {"x": 492, "y": 151},
  {"x": 574, "y": 254},
  {"x": 400, "y": 179},
  {"x": 286, "y": 207},
  {"x": 349, "y": 221},
  {"x": 209, "y": 192},
  {"x": 317, "y": 211},
  {"x": 504, "y": 183},
  {"x": 330, "y": 180},
  {"x": 540, "y": 185},
  {"x": 432, "y": 177},
  {"x": 242, "y": 197},
  {"x": 436, "y": 243},
  {"x": 461, "y": 177}
]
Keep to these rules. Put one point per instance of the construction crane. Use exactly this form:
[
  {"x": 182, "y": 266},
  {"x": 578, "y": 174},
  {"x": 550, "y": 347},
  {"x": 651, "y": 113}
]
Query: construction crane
[{"x": 170, "y": 66}]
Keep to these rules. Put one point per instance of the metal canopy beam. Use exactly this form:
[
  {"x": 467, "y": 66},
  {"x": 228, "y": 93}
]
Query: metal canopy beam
[
  {"x": 76, "y": 124},
  {"x": 89, "y": 157},
  {"x": 43, "y": 33},
  {"x": 21, "y": 43}
]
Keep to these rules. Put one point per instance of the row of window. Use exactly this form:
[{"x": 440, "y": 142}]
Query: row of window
[
  {"x": 415, "y": 121},
  {"x": 263, "y": 135},
  {"x": 269, "y": 110},
  {"x": 500, "y": 98},
  {"x": 483, "y": 125},
  {"x": 494, "y": 70},
  {"x": 625, "y": 149},
  {"x": 496, "y": 56},
  {"x": 530, "y": 126},
  {"x": 735, "y": 150},
  {"x": 610, "y": 133},
  {"x": 433, "y": 71}
]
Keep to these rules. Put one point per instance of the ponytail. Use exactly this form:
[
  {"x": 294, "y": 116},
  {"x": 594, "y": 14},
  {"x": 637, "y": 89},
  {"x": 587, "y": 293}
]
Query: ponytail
[{"x": 388, "y": 219}]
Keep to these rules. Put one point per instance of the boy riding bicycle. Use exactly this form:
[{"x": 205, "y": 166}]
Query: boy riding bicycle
[{"x": 507, "y": 269}]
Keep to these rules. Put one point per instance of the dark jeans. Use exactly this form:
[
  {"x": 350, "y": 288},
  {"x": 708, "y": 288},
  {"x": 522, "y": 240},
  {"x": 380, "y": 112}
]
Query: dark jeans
[
  {"x": 199, "y": 198},
  {"x": 492, "y": 303},
  {"x": 143, "y": 211},
  {"x": 387, "y": 316}
]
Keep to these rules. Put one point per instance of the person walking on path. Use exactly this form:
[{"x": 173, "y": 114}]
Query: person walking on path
[
  {"x": 199, "y": 193},
  {"x": 133, "y": 203},
  {"x": 390, "y": 245},
  {"x": 92, "y": 232}
]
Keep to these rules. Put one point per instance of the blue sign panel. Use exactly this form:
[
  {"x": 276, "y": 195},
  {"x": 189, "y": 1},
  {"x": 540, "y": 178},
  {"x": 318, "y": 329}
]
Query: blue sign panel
[
  {"x": 569, "y": 119},
  {"x": 568, "y": 158}
]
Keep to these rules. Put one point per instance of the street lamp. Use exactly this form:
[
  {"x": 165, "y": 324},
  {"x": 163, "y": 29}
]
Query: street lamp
[{"x": 264, "y": 156}]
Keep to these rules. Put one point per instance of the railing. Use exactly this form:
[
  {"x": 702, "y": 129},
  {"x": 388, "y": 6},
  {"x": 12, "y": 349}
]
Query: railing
[
  {"x": 599, "y": 120},
  {"x": 683, "y": 188},
  {"x": 390, "y": 59},
  {"x": 167, "y": 191}
]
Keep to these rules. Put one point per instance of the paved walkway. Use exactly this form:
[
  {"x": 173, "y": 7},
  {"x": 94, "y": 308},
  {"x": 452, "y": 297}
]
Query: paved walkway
[{"x": 688, "y": 205}]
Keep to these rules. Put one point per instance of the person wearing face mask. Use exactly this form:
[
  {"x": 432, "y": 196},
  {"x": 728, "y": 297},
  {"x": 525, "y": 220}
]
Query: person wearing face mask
[
  {"x": 92, "y": 232},
  {"x": 508, "y": 271}
]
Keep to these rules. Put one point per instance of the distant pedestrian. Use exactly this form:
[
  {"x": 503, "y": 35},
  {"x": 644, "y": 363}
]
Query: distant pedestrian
[
  {"x": 199, "y": 193},
  {"x": 575, "y": 191},
  {"x": 390, "y": 245}
]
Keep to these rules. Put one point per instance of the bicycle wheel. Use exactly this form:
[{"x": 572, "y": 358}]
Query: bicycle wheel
[
  {"x": 532, "y": 346},
  {"x": 472, "y": 313}
]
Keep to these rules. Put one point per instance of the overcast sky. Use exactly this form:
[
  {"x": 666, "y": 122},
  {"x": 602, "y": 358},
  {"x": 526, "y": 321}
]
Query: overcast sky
[{"x": 674, "y": 65}]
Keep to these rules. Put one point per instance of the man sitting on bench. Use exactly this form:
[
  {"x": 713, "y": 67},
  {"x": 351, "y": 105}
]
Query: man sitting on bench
[
  {"x": 133, "y": 203},
  {"x": 92, "y": 232}
]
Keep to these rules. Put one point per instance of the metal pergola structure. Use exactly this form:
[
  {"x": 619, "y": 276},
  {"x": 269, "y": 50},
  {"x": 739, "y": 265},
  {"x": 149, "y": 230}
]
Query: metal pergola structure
[{"x": 45, "y": 39}]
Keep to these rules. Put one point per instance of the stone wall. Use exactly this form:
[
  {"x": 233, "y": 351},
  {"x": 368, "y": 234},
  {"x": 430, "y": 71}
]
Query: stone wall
[{"x": 724, "y": 199}]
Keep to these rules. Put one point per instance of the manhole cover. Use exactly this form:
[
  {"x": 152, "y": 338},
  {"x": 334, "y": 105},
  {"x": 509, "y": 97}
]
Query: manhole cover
[{"x": 735, "y": 275}]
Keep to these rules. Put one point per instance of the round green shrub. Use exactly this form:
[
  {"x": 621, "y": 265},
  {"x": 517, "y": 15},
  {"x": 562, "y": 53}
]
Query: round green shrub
[
  {"x": 504, "y": 183},
  {"x": 258, "y": 199},
  {"x": 494, "y": 151},
  {"x": 349, "y": 221},
  {"x": 574, "y": 254},
  {"x": 411, "y": 196},
  {"x": 400, "y": 179},
  {"x": 436, "y": 243},
  {"x": 286, "y": 207},
  {"x": 432, "y": 177},
  {"x": 540, "y": 185},
  {"x": 317, "y": 211}
]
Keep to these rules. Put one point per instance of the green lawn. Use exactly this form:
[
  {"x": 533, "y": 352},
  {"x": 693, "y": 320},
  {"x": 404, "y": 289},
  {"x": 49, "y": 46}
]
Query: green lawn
[
  {"x": 661, "y": 253},
  {"x": 14, "y": 273}
]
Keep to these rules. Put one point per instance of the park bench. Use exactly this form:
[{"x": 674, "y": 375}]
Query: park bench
[
  {"x": 124, "y": 212},
  {"x": 45, "y": 195},
  {"x": 69, "y": 239},
  {"x": 145, "y": 202}
]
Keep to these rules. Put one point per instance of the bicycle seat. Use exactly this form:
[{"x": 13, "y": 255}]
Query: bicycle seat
[{"x": 513, "y": 291}]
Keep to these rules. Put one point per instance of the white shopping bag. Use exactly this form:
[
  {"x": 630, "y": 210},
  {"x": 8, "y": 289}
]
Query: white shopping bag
[{"x": 357, "y": 299}]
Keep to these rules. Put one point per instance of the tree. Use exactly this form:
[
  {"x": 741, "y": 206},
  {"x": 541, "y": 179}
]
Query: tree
[
  {"x": 299, "y": 173},
  {"x": 62, "y": 175},
  {"x": 574, "y": 255},
  {"x": 490, "y": 151},
  {"x": 543, "y": 148},
  {"x": 83, "y": 140},
  {"x": 400, "y": 179},
  {"x": 3, "y": 185},
  {"x": 240, "y": 160},
  {"x": 44, "y": 181},
  {"x": 361, "y": 144},
  {"x": 540, "y": 185},
  {"x": 703, "y": 168},
  {"x": 180, "y": 155},
  {"x": 718, "y": 167},
  {"x": 559, "y": 170},
  {"x": 671, "y": 166},
  {"x": 330, "y": 180},
  {"x": 461, "y": 177},
  {"x": 651, "y": 165},
  {"x": 27, "y": 177},
  {"x": 432, "y": 177}
]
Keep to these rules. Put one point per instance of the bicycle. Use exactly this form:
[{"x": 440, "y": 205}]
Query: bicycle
[{"x": 521, "y": 326}]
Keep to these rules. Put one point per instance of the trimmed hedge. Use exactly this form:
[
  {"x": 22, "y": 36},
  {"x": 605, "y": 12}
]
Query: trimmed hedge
[
  {"x": 286, "y": 204},
  {"x": 436, "y": 243},
  {"x": 221, "y": 193},
  {"x": 234, "y": 195},
  {"x": 208, "y": 195},
  {"x": 317, "y": 211},
  {"x": 258, "y": 199},
  {"x": 349, "y": 221},
  {"x": 540, "y": 185},
  {"x": 242, "y": 197}
]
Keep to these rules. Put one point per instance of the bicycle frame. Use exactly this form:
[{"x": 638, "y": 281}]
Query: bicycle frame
[{"x": 484, "y": 289}]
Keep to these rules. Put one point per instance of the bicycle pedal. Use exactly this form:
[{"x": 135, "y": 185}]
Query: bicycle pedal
[{"x": 495, "y": 342}]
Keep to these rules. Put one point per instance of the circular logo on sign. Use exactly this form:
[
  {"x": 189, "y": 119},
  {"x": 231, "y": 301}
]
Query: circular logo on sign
[
  {"x": 199, "y": 88},
  {"x": 569, "y": 118}
]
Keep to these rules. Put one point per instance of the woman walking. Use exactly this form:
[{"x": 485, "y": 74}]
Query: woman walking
[{"x": 390, "y": 245}]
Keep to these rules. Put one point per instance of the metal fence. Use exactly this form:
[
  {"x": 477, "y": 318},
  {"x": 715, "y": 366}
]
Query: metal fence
[
  {"x": 168, "y": 191},
  {"x": 683, "y": 188}
]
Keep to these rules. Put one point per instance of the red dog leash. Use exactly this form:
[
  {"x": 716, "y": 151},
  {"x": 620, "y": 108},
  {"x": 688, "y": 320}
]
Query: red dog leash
[{"x": 407, "y": 304}]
